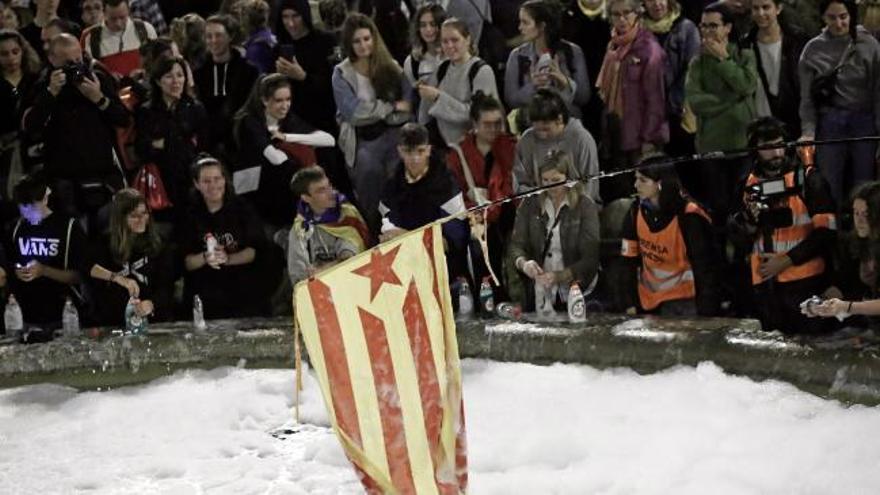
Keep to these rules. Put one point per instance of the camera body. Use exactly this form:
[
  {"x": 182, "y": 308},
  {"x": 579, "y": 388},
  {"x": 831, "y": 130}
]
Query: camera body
[
  {"x": 767, "y": 191},
  {"x": 76, "y": 72},
  {"x": 769, "y": 196}
]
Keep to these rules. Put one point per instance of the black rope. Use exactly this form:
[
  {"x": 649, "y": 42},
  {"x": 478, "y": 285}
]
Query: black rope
[{"x": 711, "y": 155}]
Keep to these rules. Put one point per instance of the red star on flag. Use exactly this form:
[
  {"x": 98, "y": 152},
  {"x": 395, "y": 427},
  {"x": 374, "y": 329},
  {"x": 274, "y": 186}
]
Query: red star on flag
[{"x": 379, "y": 270}]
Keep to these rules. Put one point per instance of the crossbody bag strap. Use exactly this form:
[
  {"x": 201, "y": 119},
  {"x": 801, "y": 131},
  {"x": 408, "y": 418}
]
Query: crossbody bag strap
[
  {"x": 549, "y": 237},
  {"x": 466, "y": 171}
]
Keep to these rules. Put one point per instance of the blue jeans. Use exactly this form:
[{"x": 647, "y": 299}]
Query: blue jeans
[
  {"x": 375, "y": 162},
  {"x": 832, "y": 159}
]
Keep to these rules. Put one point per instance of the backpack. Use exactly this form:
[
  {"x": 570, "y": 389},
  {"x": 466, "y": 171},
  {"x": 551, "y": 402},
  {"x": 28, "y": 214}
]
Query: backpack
[
  {"x": 95, "y": 32},
  {"x": 443, "y": 68},
  {"x": 434, "y": 135}
]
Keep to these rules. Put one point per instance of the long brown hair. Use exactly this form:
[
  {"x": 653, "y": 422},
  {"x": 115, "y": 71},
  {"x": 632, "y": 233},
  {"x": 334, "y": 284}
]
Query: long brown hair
[
  {"x": 122, "y": 239},
  {"x": 30, "y": 61},
  {"x": 384, "y": 73}
]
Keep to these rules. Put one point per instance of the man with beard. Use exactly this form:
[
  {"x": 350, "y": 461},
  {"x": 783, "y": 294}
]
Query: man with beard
[{"x": 788, "y": 218}]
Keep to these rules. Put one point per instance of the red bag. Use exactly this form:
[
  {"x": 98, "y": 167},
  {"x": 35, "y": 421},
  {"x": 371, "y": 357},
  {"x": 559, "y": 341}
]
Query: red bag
[
  {"x": 301, "y": 153},
  {"x": 149, "y": 182},
  {"x": 125, "y": 135}
]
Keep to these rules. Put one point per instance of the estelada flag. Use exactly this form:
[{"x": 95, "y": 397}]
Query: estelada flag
[{"x": 381, "y": 338}]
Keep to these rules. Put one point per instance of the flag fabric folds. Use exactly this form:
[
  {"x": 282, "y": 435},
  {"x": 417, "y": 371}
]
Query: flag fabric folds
[{"x": 381, "y": 339}]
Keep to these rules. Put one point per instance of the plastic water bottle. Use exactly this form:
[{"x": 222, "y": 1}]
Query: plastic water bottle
[
  {"x": 198, "y": 315},
  {"x": 70, "y": 320},
  {"x": 465, "y": 298},
  {"x": 509, "y": 311},
  {"x": 577, "y": 308},
  {"x": 210, "y": 245},
  {"x": 12, "y": 318},
  {"x": 135, "y": 324},
  {"x": 487, "y": 299},
  {"x": 543, "y": 300}
]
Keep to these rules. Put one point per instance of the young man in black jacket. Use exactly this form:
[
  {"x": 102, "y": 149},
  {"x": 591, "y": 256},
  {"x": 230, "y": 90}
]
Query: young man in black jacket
[
  {"x": 225, "y": 80},
  {"x": 74, "y": 113},
  {"x": 421, "y": 191}
]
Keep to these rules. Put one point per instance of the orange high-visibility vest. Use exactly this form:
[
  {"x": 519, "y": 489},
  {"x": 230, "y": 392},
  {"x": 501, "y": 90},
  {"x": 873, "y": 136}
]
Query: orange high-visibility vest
[
  {"x": 666, "y": 273},
  {"x": 787, "y": 238}
]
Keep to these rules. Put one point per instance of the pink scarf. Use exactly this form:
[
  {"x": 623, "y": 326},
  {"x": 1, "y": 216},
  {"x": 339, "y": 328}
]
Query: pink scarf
[{"x": 609, "y": 82}]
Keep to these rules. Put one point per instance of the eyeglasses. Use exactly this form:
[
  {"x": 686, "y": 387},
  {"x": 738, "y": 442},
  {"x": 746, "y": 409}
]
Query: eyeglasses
[
  {"x": 710, "y": 26},
  {"x": 620, "y": 14}
]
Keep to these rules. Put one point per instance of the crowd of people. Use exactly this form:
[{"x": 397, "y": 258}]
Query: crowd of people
[{"x": 153, "y": 150}]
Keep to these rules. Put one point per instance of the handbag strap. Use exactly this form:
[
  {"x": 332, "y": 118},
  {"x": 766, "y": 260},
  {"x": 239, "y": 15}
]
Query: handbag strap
[
  {"x": 843, "y": 57},
  {"x": 549, "y": 237},
  {"x": 763, "y": 74},
  {"x": 468, "y": 176}
]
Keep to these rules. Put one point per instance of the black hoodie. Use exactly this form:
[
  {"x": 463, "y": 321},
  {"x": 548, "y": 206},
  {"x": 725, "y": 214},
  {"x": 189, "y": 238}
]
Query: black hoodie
[
  {"x": 223, "y": 89},
  {"x": 312, "y": 97}
]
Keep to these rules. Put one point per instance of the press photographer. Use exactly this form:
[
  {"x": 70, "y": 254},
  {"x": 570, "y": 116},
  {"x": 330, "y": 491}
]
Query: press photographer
[
  {"x": 789, "y": 222},
  {"x": 74, "y": 114}
]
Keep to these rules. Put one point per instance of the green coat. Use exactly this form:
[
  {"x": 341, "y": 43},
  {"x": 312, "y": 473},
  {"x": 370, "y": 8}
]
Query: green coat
[{"x": 722, "y": 96}]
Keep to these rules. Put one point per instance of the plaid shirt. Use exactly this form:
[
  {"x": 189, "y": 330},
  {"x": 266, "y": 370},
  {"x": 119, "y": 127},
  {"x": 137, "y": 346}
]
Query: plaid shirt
[{"x": 148, "y": 10}]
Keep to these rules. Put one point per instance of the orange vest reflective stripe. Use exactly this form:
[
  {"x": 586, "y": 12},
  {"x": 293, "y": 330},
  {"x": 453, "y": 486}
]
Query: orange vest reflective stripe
[
  {"x": 787, "y": 238},
  {"x": 666, "y": 273}
]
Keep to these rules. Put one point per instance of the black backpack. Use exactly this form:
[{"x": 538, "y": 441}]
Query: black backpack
[{"x": 434, "y": 135}]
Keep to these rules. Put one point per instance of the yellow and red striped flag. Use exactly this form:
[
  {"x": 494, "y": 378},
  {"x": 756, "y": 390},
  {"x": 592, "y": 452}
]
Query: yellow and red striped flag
[{"x": 381, "y": 339}]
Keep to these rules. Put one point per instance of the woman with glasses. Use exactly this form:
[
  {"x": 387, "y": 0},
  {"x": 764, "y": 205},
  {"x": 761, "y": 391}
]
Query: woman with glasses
[
  {"x": 720, "y": 89},
  {"x": 845, "y": 104},
  {"x": 132, "y": 262},
  {"x": 632, "y": 85}
]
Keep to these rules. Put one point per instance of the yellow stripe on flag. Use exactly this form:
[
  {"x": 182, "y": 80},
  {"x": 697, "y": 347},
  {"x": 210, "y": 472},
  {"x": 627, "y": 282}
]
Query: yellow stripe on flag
[{"x": 381, "y": 338}]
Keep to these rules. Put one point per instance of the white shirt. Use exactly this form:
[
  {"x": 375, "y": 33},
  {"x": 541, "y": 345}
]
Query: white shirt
[
  {"x": 365, "y": 90},
  {"x": 553, "y": 261},
  {"x": 771, "y": 62},
  {"x": 127, "y": 40}
]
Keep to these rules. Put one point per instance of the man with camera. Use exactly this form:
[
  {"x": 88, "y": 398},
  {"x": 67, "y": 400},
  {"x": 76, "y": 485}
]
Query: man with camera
[
  {"x": 788, "y": 218},
  {"x": 74, "y": 113}
]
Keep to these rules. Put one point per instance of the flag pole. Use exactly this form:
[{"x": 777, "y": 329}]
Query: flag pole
[{"x": 297, "y": 362}]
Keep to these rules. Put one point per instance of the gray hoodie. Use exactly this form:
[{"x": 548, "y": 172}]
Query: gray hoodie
[{"x": 575, "y": 139}]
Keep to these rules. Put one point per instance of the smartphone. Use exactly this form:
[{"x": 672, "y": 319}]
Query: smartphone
[{"x": 287, "y": 51}]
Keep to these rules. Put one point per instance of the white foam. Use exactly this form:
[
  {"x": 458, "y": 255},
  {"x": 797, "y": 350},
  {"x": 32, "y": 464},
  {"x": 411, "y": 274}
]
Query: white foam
[{"x": 558, "y": 429}]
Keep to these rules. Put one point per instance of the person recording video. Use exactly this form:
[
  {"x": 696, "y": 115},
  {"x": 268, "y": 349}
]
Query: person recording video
[{"x": 788, "y": 219}]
